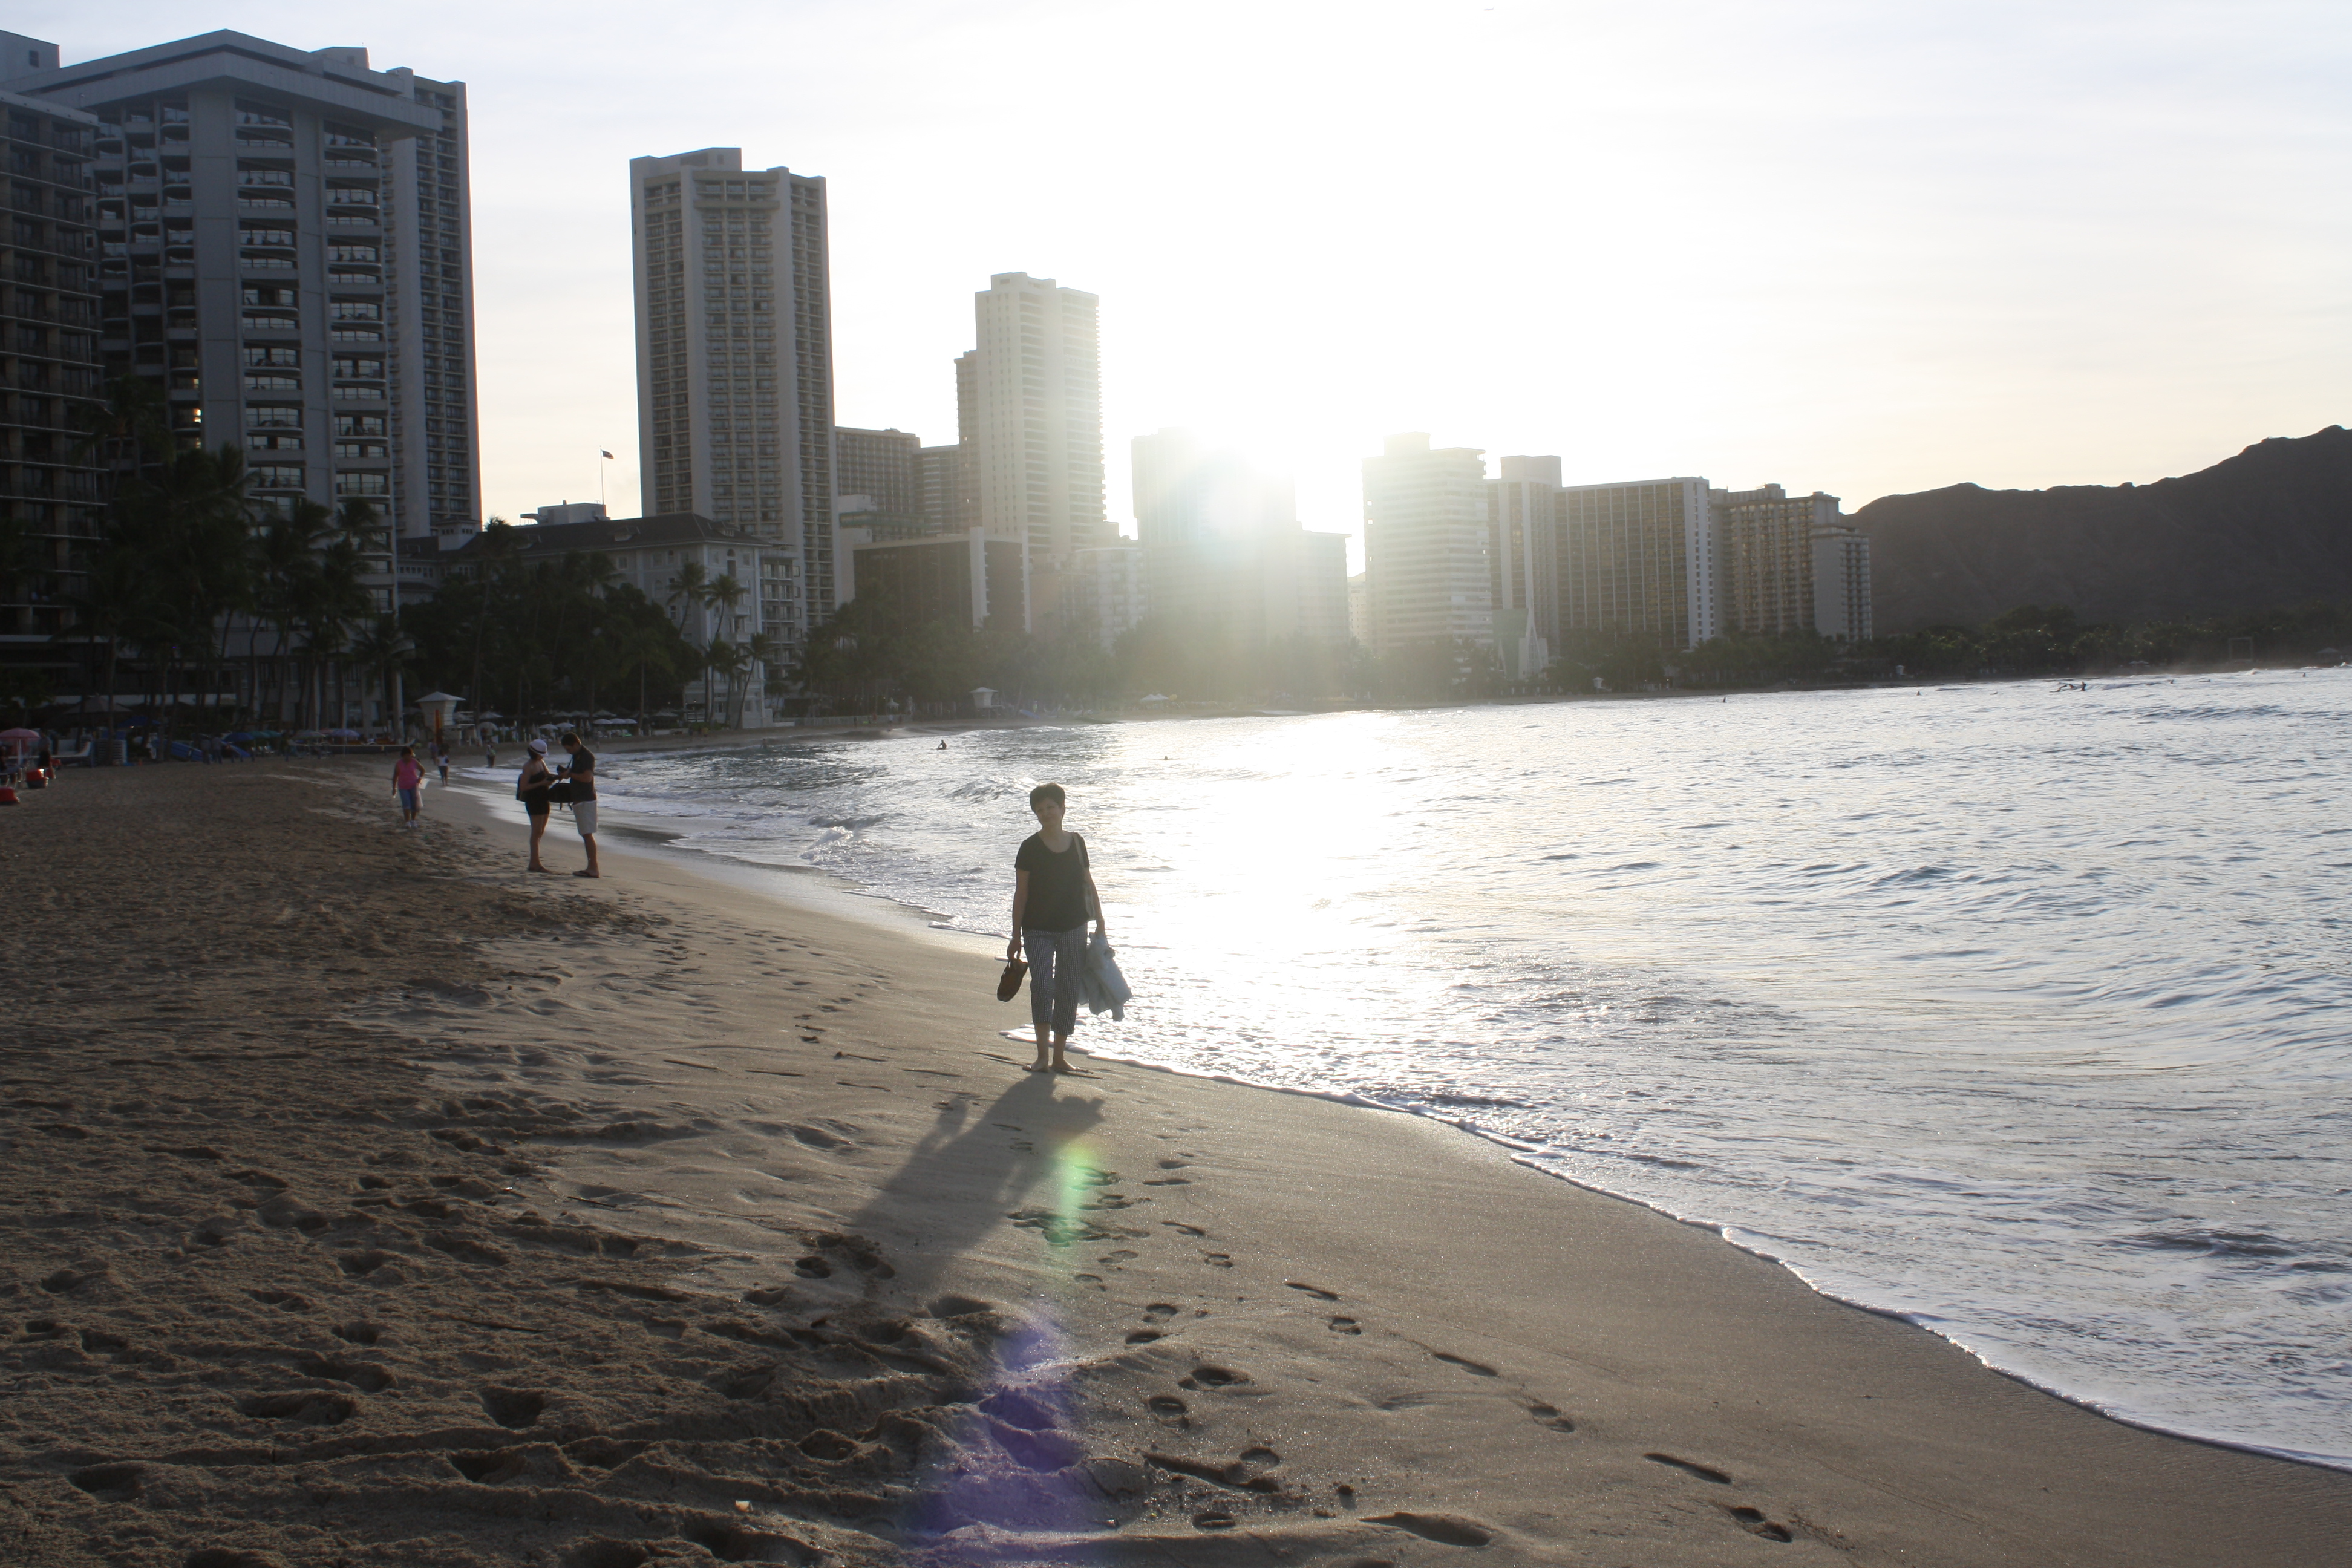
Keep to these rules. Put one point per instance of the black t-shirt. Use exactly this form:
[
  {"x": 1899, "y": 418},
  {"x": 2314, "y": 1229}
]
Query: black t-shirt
[
  {"x": 1057, "y": 884},
  {"x": 584, "y": 760}
]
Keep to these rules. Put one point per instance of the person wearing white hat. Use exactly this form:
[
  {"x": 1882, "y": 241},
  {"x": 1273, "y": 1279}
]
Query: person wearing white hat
[{"x": 530, "y": 789}]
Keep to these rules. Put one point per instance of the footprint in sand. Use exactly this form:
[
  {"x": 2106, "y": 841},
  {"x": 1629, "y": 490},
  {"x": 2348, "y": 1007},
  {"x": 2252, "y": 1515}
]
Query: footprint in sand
[
  {"x": 1474, "y": 1368},
  {"x": 1316, "y": 1291},
  {"x": 1550, "y": 1416},
  {"x": 1159, "y": 1312},
  {"x": 1217, "y": 1259},
  {"x": 1346, "y": 1326},
  {"x": 1753, "y": 1521},
  {"x": 1182, "y": 1228}
]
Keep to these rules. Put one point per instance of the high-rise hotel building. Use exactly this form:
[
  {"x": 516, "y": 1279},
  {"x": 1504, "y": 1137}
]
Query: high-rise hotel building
[
  {"x": 1764, "y": 544},
  {"x": 48, "y": 377},
  {"x": 1030, "y": 397},
  {"x": 735, "y": 362},
  {"x": 285, "y": 247},
  {"x": 1637, "y": 562},
  {"x": 1427, "y": 575}
]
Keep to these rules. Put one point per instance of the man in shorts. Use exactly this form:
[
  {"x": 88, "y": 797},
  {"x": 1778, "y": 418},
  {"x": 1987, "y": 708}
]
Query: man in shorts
[{"x": 583, "y": 774}]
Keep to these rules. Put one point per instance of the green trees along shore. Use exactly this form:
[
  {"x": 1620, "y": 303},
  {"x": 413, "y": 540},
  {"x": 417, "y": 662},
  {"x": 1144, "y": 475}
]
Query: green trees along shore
[{"x": 192, "y": 585}]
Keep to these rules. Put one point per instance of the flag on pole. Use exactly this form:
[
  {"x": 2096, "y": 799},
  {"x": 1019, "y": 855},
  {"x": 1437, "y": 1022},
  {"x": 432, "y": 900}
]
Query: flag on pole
[{"x": 607, "y": 455}]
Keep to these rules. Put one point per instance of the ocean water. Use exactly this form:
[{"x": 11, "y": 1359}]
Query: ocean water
[{"x": 2024, "y": 1015}]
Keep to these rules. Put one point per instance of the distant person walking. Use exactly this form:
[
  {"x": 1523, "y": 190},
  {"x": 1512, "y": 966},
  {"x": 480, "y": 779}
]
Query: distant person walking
[
  {"x": 531, "y": 788},
  {"x": 408, "y": 782},
  {"x": 441, "y": 755},
  {"x": 583, "y": 774},
  {"x": 489, "y": 755},
  {"x": 1053, "y": 898}
]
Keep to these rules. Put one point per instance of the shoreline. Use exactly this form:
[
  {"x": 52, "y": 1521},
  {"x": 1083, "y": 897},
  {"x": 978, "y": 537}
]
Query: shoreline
[
  {"x": 1126, "y": 1317},
  {"x": 818, "y": 889}
]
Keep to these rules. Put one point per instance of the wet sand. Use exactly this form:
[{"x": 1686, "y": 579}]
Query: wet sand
[{"x": 369, "y": 1201}]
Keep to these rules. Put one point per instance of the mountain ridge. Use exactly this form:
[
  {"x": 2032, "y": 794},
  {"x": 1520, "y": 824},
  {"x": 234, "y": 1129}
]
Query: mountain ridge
[{"x": 2268, "y": 527}]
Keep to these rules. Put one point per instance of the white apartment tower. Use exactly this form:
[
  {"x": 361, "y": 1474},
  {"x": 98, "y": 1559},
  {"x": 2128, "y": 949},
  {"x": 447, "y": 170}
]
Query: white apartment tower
[
  {"x": 285, "y": 249},
  {"x": 1427, "y": 576},
  {"x": 1032, "y": 391},
  {"x": 735, "y": 362}
]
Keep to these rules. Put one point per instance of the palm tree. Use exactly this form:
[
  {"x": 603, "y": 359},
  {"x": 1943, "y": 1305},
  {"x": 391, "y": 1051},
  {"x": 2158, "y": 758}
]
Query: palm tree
[
  {"x": 722, "y": 595},
  {"x": 494, "y": 555},
  {"x": 284, "y": 575},
  {"x": 726, "y": 658},
  {"x": 641, "y": 646},
  {"x": 332, "y": 597},
  {"x": 383, "y": 649},
  {"x": 688, "y": 590}
]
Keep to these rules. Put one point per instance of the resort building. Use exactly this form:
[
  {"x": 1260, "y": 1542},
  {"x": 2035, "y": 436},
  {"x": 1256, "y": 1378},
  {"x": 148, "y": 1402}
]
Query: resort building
[
  {"x": 49, "y": 387},
  {"x": 1222, "y": 554},
  {"x": 1764, "y": 542},
  {"x": 1105, "y": 592},
  {"x": 1522, "y": 511},
  {"x": 883, "y": 466},
  {"x": 735, "y": 359},
  {"x": 1842, "y": 582},
  {"x": 285, "y": 248},
  {"x": 941, "y": 497},
  {"x": 1029, "y": 399},
  {"x": 1636, "y": 562},
  {"x": 1427, "y": 577},
  {"x": 970, "y": 578}
]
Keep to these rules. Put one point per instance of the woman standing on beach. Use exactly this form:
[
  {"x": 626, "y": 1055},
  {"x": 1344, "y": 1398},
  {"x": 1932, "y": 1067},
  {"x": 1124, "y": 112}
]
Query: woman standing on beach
[
  {"x": 408, "y": 782},
  {"x": 530, "y": 789},
  {"x": 1053, "y": 898}
]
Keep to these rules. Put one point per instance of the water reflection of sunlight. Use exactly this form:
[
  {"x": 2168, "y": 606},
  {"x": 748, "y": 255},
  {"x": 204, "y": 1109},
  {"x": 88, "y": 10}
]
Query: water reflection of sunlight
[{"x": 1279, "y": 841}]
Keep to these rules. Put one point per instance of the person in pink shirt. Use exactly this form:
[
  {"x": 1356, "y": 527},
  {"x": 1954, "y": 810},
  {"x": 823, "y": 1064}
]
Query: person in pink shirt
[{"x": 408, "y": 780}]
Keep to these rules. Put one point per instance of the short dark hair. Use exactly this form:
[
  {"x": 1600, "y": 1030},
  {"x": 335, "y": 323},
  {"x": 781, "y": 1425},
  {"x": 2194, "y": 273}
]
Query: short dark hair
[
  {"x": 1052, "y": 792},
  {"x": 570, "y": 736}
]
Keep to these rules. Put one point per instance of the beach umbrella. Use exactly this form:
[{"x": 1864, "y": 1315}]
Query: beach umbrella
[{"x": 20, "y": 734}]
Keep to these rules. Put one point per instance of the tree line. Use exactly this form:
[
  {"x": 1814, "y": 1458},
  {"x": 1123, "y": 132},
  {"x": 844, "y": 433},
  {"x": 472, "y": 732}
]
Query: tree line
[
  {"x": 184, "y": 555},
  {"x": 863, "y": 658},
  {"x": 185, "y": 560}
]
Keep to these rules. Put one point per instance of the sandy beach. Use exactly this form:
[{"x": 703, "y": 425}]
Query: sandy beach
[{"x": 369, "y": 1201}]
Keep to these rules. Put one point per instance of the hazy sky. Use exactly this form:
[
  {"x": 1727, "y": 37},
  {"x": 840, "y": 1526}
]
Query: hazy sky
[{"x": 1858, "y": 246}]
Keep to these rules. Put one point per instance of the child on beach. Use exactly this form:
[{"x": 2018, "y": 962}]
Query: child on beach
[
  {"x": 1053, "y": 898},
  {"x": 408, "y": 782},
  {"x": 441, "y": 755}
]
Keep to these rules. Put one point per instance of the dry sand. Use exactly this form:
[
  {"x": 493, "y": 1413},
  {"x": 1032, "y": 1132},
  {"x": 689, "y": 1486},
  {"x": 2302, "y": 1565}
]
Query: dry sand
[{"x": 369, "y": 1201}]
